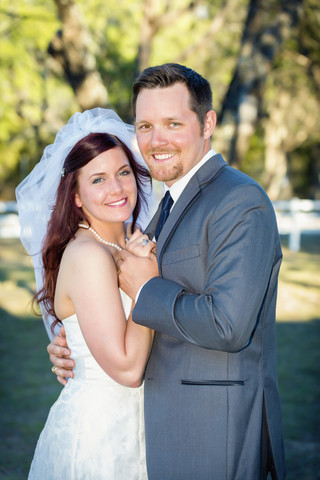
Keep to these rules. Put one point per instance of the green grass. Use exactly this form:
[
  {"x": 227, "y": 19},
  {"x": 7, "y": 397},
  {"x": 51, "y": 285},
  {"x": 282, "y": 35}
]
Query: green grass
[
  {"x": 298, "y": 335},
  {"x": 28, "y": 388},
  {"x": 298, "y": 369}
]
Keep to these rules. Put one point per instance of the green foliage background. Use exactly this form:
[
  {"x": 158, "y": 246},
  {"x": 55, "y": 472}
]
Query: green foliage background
[{"x": 36, "y": 99}]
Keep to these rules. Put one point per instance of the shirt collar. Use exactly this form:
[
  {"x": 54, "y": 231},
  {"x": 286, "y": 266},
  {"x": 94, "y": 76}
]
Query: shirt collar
[{"x": 177, "y": 188}]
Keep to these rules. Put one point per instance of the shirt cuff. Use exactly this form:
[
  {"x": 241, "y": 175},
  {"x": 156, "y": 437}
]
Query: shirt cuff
[{"x": 137, "y": 296}]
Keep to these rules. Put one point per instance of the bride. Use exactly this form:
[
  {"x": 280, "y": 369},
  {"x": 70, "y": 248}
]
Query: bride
[{"x": 92, "y": 182}]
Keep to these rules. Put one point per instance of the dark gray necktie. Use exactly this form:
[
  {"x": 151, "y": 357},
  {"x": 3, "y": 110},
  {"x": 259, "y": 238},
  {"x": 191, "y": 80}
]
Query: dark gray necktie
[{"x": 165, "y": 210}]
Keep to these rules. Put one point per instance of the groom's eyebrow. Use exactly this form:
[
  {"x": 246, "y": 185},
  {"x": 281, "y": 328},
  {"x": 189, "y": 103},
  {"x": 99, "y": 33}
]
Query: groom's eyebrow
[{"x": 141, "y": 121}]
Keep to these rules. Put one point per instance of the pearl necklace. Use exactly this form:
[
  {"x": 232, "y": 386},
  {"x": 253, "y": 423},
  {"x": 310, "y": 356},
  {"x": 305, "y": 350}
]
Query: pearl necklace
[{"x": 114, "y": 245}]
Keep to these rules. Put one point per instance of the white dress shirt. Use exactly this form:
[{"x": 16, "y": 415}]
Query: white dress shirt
[{"x": 177, "y": 188}]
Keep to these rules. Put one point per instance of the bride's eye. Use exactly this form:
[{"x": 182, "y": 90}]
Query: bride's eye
[
  {"x": 97, "y": 180},
  {"x": 124, "y": 172}
]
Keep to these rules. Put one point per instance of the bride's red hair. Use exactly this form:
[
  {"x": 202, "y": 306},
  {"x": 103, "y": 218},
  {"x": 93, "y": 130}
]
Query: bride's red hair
[{"x": 66, "y": 216}]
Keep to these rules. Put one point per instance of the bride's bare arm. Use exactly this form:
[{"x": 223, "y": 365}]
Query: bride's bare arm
[
  {"x": 120, "y": 346},
  {"x": 58, "y": 348}
]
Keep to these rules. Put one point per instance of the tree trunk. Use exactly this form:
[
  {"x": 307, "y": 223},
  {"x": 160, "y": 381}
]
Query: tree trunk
[
  {"x": 70, "y": 49},
  {"x": 147, "y": 32},
  {"x": 276, "y": 168},
  {"x": 218, "y": 24},
  {"x": 152, "y": 22},
  {"x": 268, "y": 24}
]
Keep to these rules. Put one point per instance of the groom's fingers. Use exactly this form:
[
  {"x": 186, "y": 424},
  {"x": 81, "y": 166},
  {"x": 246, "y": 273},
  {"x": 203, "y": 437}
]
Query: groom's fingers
[
  {"x": 62, "y": 363},
  {"x": 62, "y": 373},
  {"x": 121, "y": 257},
  {"x": 57, "y": 350},
  {"x": 62, "y": 380},
  {"x": 59, "y": 355},
  {"x": 134, "y": 271}
]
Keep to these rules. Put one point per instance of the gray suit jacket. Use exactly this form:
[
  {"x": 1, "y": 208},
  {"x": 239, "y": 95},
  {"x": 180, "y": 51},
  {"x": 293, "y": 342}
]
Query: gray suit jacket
[{"x": 212, "y": 369}]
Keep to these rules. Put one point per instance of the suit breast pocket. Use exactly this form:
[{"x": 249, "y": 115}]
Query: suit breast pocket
[
  {"x": 185, "y": 267},
  {"x": 181, "y": 255}
]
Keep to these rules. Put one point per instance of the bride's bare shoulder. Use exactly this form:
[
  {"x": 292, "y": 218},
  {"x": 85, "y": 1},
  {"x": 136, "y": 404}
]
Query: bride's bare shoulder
[{"x": 81, "y": 251}]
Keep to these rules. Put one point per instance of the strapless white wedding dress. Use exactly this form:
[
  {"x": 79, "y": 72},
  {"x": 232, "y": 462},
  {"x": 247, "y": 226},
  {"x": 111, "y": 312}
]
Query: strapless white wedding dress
[{"x": 95, "y": 429}]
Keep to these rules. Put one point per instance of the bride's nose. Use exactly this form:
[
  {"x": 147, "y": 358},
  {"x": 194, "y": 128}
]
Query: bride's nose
[{"x": 115, "y": 186}]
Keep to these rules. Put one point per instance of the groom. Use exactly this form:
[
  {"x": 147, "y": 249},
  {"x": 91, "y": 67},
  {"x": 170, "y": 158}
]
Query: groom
[{"x": 212, "y": 408}]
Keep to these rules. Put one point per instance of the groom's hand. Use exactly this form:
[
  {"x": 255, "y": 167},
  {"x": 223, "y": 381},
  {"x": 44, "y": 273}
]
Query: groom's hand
[
  {"x": 135, "y": 271},
  {"x": 59, "y": 355}
]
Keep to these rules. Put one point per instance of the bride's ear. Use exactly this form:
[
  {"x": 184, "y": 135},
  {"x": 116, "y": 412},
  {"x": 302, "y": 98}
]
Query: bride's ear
[{"x": 77, "y": 200}]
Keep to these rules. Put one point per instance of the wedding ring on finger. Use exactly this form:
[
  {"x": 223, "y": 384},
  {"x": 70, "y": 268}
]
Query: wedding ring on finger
[
  {"x": 53, "y": 369},
  {"x": 145, "y": 241}
]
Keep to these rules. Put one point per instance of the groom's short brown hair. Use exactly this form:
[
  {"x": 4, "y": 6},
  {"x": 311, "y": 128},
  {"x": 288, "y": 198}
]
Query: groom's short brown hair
[{"x": 167, "y": 75}]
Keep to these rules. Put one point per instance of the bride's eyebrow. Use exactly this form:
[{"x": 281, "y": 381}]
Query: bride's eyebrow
[
  {"x": 126, "y": 165},
  {"x": 97, "y": 174}
]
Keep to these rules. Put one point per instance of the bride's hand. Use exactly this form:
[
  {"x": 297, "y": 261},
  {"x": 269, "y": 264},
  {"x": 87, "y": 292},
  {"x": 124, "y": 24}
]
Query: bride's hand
[{"x": 140, "y": 245}]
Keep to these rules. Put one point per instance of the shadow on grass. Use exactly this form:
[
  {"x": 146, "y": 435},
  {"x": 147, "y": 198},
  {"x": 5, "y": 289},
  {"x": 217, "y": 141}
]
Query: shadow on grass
[
  {"x": 299, "y": 373},
  {"x": 27, "y": 387}
]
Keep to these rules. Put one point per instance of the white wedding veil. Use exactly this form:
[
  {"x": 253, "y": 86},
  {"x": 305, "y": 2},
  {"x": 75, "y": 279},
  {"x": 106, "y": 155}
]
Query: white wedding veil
[{"x": 36, "y": 194}]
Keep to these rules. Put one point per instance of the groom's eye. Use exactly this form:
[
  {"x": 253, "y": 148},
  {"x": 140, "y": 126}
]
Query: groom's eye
[{"x": 144, "y": 126}]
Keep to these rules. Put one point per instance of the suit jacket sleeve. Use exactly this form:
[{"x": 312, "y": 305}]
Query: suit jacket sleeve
[{"x": 243, "y": 255}]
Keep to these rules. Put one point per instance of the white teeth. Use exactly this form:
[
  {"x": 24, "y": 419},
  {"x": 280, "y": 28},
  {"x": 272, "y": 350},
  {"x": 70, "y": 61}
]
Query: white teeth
[
  {"x": 120, "y": 202},
  {"x": 163, "y": 156}
]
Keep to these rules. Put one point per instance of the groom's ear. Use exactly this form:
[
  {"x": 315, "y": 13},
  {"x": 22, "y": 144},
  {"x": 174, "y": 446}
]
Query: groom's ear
[{"x": 209, "y": 124}]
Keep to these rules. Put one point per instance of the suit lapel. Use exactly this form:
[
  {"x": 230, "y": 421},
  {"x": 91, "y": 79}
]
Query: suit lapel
[
  {"x": 203, "y": 176},
  {"x": 151, "y": 228}
]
